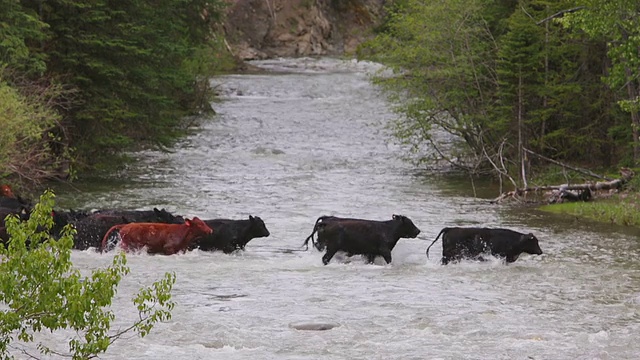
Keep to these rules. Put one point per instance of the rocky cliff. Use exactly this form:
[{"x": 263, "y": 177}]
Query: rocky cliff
[{"x": 259, "y": 29}]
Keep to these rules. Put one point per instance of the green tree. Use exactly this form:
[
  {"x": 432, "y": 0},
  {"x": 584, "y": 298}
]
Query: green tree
[
  {"x": 117, "y": 75},
  {"x": 520, "y": 61},
  {"x": 41, "y": 290},
  {"x": 443, "y": 54},
  {"x": 502, "y": 79},
  {"x": 618, "y": 23},
  {"x": 27, "y": 120},
  {"x": 127, "y": 59},
  {"x": 20, "y": 30}
]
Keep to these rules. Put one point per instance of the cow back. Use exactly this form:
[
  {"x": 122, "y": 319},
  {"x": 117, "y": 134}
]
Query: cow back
[{"x": 142, "y": 216}]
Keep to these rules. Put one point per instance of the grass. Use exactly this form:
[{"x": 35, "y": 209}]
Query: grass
[{"x": 620, "y": 209}]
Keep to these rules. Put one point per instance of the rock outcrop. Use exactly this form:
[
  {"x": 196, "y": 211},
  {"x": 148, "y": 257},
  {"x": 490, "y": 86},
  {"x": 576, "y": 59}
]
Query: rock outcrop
[{"x": 259, "y": 29}]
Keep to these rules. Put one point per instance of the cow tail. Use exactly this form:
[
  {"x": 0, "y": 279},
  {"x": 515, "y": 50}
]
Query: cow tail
[
  {"x": 310, "y": 237},
  {"x": 434, "y": 241},
  {"x": 106, "y": 245}
]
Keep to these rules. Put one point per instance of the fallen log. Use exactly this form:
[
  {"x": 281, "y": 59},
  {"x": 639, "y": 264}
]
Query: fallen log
[{"x": 625, "y": 175}]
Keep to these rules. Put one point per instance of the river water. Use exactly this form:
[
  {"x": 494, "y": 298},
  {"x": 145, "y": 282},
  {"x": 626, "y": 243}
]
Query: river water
[{"x": 308, "y": 139}]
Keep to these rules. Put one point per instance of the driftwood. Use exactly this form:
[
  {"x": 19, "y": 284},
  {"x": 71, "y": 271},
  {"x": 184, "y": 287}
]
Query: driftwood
[{"x": 565, "y": 190}]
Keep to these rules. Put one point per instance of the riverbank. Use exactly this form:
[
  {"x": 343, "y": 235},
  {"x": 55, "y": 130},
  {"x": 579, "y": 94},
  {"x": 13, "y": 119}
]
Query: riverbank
[{"x": 619, "y": 208}]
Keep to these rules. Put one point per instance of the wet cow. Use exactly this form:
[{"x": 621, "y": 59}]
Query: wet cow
[
  {"x": 9, "y": 200},
  {"x": 22, "y": 214},
  {"x": 231, "y": 235},
  {"x": 361, "y": 237},
  {"x": 167, "y": 239},
  {"x": 155, "y": 215},
  {"x": 91, "y": 228},
  {"x": 15, "y": 203},
  {"x": 471, "y": 243}
]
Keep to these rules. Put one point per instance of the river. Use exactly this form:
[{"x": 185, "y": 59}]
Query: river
[{"x": 308, "y": 139}]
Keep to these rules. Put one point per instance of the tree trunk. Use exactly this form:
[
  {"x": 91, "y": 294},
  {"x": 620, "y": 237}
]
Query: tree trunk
[
  {"x": 632, "y": 92},
  {"x": 633, "y": 96}
]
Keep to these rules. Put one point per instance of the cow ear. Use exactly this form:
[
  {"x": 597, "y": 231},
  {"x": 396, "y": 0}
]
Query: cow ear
[
  {"x": 250, "y": 217},
  {"x": 187, "y": 222},
  {"x": 394, "y": 216}
]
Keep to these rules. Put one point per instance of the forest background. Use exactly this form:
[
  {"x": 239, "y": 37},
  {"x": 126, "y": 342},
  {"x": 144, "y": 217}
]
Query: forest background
[
  {"x": 522, "y": 86},
  {"x": 82, "y": 82}
]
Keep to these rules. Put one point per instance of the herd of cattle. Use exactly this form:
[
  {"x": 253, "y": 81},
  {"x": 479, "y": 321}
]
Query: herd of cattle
[{"x": 160, "y": 232}]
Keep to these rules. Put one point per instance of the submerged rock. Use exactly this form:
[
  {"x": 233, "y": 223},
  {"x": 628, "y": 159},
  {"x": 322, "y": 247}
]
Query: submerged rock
[{"x": 319, "y": 326}]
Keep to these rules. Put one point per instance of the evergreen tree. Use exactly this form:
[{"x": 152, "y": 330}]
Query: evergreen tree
[
  {"x": 618, "y": 23},
  {"x": 444, "y": 56},
  {"x": 127, "y": 59},
  {"x": 21, "y": 29},
  {"x": 499, "y": 77}
]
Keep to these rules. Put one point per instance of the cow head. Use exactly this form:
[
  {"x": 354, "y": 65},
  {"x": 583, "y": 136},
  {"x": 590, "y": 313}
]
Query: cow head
[
  {"x": 198, "y": 225},
  {"x": 406, "y": 229},
  {"x": 166, "y": 217},
  {"x": 529, "y": 244},
  {"x": 257, "y": 228}
]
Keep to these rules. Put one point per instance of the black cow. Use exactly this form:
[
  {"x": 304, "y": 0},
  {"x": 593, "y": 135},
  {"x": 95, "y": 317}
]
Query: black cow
[
  {"x": 361, "y": 237},
  {"x": 15, "y": 204},
  {"x": 230, "y": 235},
  {"x": 154, "y": 215},
  {"x": 470, "y": 243},
  {"x": 22, "y": 213},
  {"x": 61, "y": 218},
  {"x": 92, "y": 228},
  {"x": 324, "y": 220}
]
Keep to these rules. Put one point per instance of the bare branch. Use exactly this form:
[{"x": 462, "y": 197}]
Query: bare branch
[
  {"x": 582, "y": 171},
  {"x": 560, "y": 13}
]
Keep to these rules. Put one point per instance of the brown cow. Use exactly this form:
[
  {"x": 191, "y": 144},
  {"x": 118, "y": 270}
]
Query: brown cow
[
  {"x": 5, "y": 191},
  {"x": 167, "y": 239}
]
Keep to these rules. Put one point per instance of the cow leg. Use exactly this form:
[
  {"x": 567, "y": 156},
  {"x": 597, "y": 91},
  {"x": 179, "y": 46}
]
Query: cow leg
[
  {"x": 329, "y": 254},
  {"x": 386, "y": 254},
  {"x": 371, "y": 258},
  {"x": 169, "y": 248}
]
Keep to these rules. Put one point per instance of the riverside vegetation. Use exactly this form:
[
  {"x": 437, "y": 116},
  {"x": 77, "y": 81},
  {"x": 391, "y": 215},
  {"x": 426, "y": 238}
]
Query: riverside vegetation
[
  {"x": 81, "y": 83},
  {"x": 515, "y": 83}
]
